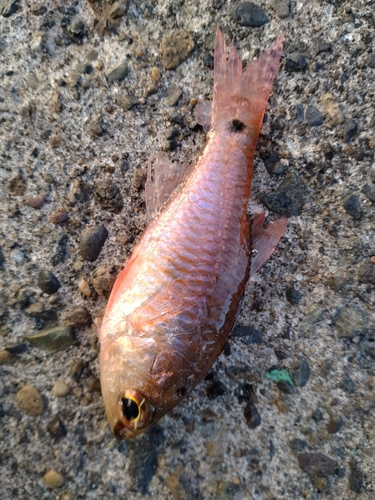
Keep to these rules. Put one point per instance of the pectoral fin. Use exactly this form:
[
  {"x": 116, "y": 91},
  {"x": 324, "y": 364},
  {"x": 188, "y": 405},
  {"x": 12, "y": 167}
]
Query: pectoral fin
[{"x": 264, "y": 241}]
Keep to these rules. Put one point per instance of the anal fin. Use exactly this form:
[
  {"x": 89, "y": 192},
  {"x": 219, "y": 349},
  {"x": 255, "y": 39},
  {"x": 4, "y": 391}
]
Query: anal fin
[
  {"x": 167, "y": 177},
  {"x": 264, "y": 241}
]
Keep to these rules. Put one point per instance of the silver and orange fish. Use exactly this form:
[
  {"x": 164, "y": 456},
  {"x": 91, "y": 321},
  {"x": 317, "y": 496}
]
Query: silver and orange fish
[{"x": 173, "y": 306}]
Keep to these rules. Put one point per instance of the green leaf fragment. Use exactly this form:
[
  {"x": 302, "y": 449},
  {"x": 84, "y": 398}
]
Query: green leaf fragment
[{"x": 279, "y": 375}]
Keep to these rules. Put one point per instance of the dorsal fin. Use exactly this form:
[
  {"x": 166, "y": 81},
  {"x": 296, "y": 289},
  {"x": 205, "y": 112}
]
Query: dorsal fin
[
  {"x": 264, "y": 241},
  {"x": 167, "y": 177}
]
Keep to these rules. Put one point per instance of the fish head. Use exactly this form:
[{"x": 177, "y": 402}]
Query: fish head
[{"x": 131, "y": 394}]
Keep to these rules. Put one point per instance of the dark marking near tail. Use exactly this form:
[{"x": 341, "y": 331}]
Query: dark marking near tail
[{"x": 236, "y": 126}]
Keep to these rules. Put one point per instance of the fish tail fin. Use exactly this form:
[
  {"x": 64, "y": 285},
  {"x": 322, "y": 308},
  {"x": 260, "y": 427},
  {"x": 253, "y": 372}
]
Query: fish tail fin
[{"x": 240, "y": 96}]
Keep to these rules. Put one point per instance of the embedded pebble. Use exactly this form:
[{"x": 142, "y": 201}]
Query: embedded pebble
[
  {"x": 61, "y": 389},
  {"x": 301, "y": 373},
  {"x": 92, "y": 241},
  {"x": 58, "y": 216},
  {"x": 313, "y": 116},
  {"x": 356, "y": 479},
  {"x": 247, "y": 334},
  {"x": 215, "y": 389},
  {"x": 30, "y": 401},
  {"x": 103, "y": 280},
  {"x": 16, "y": 185},
  {"x": 56, "y": 104},
  {"x": 127, "y": 101},
  {"x": 56, "y": 428},
  {"x": 48, "y": 282},
  {"x": 335, "y": 424},
  {"x": 289, "y": 197},
  {"x": 175, "y": 48},
  {"x": 282, "y": 8},
  {"x": 369, "y": 191},
  {"x": 32, "y": 80},
  {"x": 352, "y": 206},
  {"x": 332, "y": 108},
  {"x": 52, "y": 339},
  {"x": 80, "y": 317},
  {"x": 351, "y": 320},
  {"x": 295, "y": 63},
  {"x": 119, "y": 73},
  {"x": 53, "y": 479},
  {"x": 155, "y": 74},
  {"x": 250, "y": 14},
  {"x": 36, "y": 201},
  {"x": 6, "y": 357},
  {"x": 108, "y": 195},
  {"x": 350, "y": 129},
  {"x": 84, "y": 287},
  {"x": 8, "y": 7},
  {"x": 95, "y": 127},
  {"x": 252, "y": 416},
  {"x": 317, "y": 464}
]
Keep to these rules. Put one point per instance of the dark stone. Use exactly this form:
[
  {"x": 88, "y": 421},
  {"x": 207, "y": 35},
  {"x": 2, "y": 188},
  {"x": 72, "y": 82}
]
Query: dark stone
[
  {"x": 48, "y": 282},
  {"x": 335, "y": 424},
  {"x": 270, "y": 159},
  {"x": 281, "y": 355},
  {"x": 252, "y": 416},
  {"x": 144, "y": 458},
  {"x": 292, "y": 295},
  {"x": 285, "y": 386},
  {"x": 8, "y": 7},
  {"x": 301, "y": 373},
  {"x": 18, "y": 348},
  {"x": 92, "y": 241},
  {"x": 313, "y": 116},
  {"x": 244, "y": 392},
  {"x": 172, "y": 133},
  {"x": 366, "y": 273},
  {"x": 371, "y": 60},
  {"x": 52, "y": 339},
  {"x": 61, "y": 251},
  {"x": 248, "y": 334},
  {"x": 348, "y": 385},
  {"x": 356, "y": 480},
  {"x": 295, "y": 63},
  {"x": 350, "y": 129},
  {"x": 317, "y": 415},
  {"x": 39, "y": 10},
  {"x": 369, "y": 191},
  {"x": 56, "y": 428},
  {"x": 324, "y": 46},
  {"x": 300, "y": 113},
  {"x": 317, "y": 464},
  {"x": 250, "y": 14},
  {"x": 108, "y": 196},
  {"x": 77, "y": 28},
  {"x": 297, "y": 445},
  {"x": 352, "y": 206},
  {"x": 119, "y": 73},
  {"x": 215, "y": 389},
  {"x": 288, "y": 198}
]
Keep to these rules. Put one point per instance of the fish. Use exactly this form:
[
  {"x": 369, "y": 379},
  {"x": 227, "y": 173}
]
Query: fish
[{"x": 174, "y": 305}]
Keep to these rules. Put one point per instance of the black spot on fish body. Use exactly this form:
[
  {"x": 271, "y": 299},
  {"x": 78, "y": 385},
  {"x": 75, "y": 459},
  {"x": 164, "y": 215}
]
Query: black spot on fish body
[{"x": 236, "y": 126}]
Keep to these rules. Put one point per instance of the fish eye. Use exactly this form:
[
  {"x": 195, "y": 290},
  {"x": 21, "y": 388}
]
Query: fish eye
[
  {"x": 134, "y": 412},
  {"x": 130, "y": 408}
]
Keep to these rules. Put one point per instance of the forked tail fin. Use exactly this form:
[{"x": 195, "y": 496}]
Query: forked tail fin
[{"x": 240, "y": 96}]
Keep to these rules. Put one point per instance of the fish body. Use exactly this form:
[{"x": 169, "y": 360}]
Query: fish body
[{"x": 173, "y": 306}]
